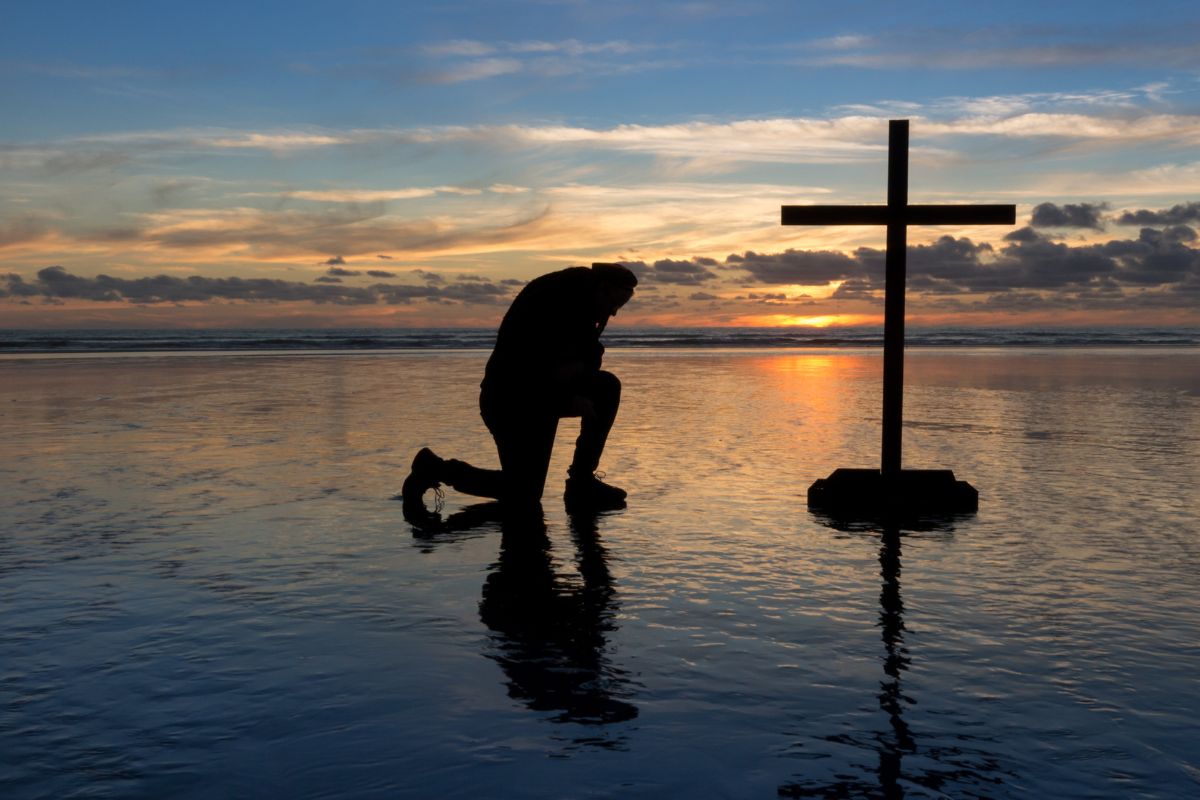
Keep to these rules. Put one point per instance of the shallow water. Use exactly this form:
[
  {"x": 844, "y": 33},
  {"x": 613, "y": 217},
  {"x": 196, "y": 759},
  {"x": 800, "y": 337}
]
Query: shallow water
[{"x": 207, "y": 590}]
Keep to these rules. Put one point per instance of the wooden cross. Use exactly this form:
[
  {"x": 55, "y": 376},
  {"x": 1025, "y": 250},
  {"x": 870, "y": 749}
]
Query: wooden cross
[{"x": 897, "y": 215}]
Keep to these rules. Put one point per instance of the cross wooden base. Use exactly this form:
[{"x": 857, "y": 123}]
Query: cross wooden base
[{"x": 866, "y": 493}]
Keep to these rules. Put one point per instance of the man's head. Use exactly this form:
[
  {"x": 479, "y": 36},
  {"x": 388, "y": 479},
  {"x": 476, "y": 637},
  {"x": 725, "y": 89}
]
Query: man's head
[{"x": 616, "y": 283}]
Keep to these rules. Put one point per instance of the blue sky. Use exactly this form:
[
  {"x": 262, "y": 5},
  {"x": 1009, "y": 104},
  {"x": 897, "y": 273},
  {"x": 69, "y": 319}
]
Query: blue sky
[{"x": 456, "y": 149}]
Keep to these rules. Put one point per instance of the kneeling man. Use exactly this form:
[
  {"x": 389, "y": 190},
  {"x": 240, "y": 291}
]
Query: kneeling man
[{"x": 545, "y": 366}]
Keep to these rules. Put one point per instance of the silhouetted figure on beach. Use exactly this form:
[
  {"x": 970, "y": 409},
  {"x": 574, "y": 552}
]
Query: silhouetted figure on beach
[{"x": 545, "y": 366}]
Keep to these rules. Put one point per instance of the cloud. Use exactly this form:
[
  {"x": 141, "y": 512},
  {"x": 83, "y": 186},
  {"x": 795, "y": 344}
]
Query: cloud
[
  {"x": 380, "y": 273},
  {"x": 943, "y": 259},
  {"x": 804, "y": 267},
  {"x": 387, "y": 258},
  {"x": 1026, "y": 234},
  {"x": 1000, "y": 47},
  {"x": 167, "y": 192},
  {"x": 274, "y": 142},
  {"x": 383, "y": 195},
  {"x": 478, "y": 70},
  {"x": 22, "y": 229},
  {"x": 13, "y": 285},
  {"x": 463, "y": 60},
  {"x": 1179, "y": 233},
  {"x": 56, "y": 283},
  {"x": 63, "y": 69},
  {"x": 683, "y": 273},
  {"x": 468, "y": 48},
  {"x": 67, "y": 163},
  {"x": 1090, "y": 128},
  {"x": 1163, "y": 262},
  {"x": 1082, "y": 215},
  {"x": 846, "y": 42},
  {"x": 351, "y": 229},
  {"x": 459, "y": 48},
  {"x": 852, "y": 137},
  {"x": 945, "y": 59},
  {"x": 857, "y": 289},
  {"x": 351, "y": 195},
  {"x": 334, "y": 260},
  {"x": 1175, "y": 215}
]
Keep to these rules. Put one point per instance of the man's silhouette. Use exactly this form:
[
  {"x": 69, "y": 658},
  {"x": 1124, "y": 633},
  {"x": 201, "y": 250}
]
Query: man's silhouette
[{"x": 545, "y": 366}]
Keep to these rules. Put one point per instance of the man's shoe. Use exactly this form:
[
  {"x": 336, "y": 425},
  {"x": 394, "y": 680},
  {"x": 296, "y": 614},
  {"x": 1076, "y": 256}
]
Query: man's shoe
[
  {"x": 425, "y": 475},
  {"x": 589, "y": 492}
]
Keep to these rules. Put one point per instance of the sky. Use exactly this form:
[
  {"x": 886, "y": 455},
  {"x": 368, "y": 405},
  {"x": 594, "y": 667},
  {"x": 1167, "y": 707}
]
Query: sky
[{"x": 361, "y": 164}]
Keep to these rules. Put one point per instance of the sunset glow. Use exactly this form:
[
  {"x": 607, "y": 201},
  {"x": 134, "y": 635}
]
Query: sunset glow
[{"x": 822, "y": 321}]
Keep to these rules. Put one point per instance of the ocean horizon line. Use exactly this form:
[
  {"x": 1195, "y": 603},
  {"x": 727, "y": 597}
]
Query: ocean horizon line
[{"x": 97, "y": 340}]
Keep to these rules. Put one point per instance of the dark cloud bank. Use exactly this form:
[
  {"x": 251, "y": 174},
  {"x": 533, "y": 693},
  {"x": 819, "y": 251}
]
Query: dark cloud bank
[
  {"x": 1160, "y": 267},
  {"x": 1028, "y": 265},
  {"x": 1083, "y": 215},
  {"x": 1157, "y": 268},
  {"x": 1176, "y": 215},
  {"x": 56, "y": 283}
]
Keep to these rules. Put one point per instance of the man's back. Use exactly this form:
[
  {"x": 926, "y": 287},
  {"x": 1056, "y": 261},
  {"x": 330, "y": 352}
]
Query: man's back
[{"x": 551, "y": 325}]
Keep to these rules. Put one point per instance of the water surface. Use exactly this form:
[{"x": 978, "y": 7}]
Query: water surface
[{"x": 207, "y": 590}]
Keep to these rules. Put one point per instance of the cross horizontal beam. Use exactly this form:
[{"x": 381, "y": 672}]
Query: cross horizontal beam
[{"x": 909, "y": 215}]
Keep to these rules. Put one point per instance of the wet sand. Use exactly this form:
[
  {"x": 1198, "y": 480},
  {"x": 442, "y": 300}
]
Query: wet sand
[{"x": 207, "y": 589}]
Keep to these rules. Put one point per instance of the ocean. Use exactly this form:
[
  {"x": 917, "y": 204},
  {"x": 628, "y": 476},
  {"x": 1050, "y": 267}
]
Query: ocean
[
  {"x": 207, "y": 588},
  {"x": 350, "y": 339}
]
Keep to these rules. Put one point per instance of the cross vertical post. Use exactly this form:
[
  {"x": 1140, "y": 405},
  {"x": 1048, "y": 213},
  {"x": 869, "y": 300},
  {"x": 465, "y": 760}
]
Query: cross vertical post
[
  {"x": 893, "y": 303},
  {"x": 891, "y": 489}
]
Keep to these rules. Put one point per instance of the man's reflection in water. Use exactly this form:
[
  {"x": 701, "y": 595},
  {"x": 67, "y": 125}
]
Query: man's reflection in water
[
  {"x": 550, "y": 627},
  {"x": 550, "y": 630}
]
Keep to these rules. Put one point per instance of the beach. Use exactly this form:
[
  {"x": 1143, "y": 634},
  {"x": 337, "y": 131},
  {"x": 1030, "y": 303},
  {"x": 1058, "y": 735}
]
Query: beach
[{"x": 208, "y": 588}]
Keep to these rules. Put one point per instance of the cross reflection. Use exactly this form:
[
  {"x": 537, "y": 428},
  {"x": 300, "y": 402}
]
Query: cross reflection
[
  {"x": 896, "y": 660},
  {"x": 898, "y": 740}
]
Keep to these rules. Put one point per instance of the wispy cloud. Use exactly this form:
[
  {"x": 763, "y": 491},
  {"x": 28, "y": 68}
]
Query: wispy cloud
[
  {"x": 25, "y": 228},
  {"x": 477, "y": 70},
  {"x": 922, "y": 58},
  {"x": 84, "y": 72},
  {"x": 850, "y": 137},
  {"x": 990, "y": 48},
  {"x": 459, "y": 48},
  {"x": 356, "y": 230},
  {"x": 469, "y": 48},
  {"x": 383, "y": 195},
  {"x": 845, "y": 42},
  {"x": 106, "y": 79},
  {"x": 463, "y": 60}
]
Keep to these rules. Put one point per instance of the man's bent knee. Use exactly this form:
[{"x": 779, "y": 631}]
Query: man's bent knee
[{"x": 607, "y": 385}]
